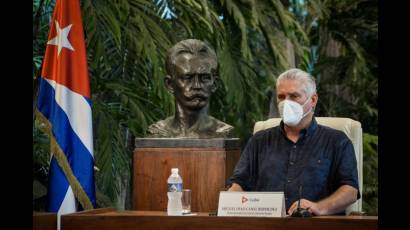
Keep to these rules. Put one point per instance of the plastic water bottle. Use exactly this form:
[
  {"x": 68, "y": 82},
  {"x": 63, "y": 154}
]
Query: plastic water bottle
[{"x": 174, "y": 193}]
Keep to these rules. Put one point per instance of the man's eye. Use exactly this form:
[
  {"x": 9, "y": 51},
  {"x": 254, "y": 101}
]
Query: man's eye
[
  {"x": 205, "y": 77},
  {"x": 187, "y": 77}
]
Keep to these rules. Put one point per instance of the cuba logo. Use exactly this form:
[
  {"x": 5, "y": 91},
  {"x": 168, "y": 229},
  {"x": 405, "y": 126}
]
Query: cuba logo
[{"x": 244, "y": 199}]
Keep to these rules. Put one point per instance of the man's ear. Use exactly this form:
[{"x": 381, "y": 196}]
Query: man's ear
[
  {"x": 215, "y": 85},
  {"x": 168, "y": 84},
  {"x": 314, "y": 99}
]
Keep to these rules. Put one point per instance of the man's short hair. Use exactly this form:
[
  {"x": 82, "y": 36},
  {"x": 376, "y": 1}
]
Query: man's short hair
[
  {"x": 194, "y": 47},
  {"x": 307, "y": 80}
]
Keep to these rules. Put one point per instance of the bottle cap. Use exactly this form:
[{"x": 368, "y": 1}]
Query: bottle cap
[{"x": 174, "y": 170}]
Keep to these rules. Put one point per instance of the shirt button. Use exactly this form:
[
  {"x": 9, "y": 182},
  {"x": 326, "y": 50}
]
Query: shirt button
[
  {"x": 286, "y": 198},
  {"x": 291, "y": 163},
  {"x": 294, "y": 146},
  {"x": 289, "y": 180}
]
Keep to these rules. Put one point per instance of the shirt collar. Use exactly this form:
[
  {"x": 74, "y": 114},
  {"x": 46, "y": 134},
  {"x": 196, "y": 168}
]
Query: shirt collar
[{"x": 304, "y": 132}]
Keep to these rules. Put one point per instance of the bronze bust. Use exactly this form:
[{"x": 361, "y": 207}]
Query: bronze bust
[{"x": 192, "y": 70}]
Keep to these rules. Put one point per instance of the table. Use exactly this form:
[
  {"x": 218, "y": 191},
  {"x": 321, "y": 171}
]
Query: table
[{"x": 108, "y": 218}]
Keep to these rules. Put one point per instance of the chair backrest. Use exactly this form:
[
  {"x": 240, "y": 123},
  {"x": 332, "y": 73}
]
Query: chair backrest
[{"x": 351, "y": 128}]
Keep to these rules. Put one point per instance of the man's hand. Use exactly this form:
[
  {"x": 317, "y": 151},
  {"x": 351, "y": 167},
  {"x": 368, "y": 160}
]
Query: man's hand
[
  {"x": 235, "y": 188},
  {"x": 312, "y": 207},
  {"x": 337, "y": 202}
]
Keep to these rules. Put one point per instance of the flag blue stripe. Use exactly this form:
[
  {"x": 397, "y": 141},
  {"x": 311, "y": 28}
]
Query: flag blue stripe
[
  {"x": 79, "y": 158},
  {"x": 57, "y": 187},
  {"x": 88, "y": 100}
]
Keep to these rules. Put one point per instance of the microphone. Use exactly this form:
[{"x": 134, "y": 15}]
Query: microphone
[{"x": 301, "y": 212}]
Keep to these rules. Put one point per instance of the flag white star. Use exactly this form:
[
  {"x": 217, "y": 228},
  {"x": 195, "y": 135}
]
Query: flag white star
[{"x": 61, "y": 40}]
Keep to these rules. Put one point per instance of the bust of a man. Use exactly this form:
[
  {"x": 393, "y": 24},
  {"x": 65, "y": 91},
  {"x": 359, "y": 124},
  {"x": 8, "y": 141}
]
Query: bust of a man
[{"x": 192, "y": 70}]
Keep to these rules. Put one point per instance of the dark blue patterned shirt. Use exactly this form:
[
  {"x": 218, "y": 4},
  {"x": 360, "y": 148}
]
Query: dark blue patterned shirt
[{"x": 322, "y": 160}]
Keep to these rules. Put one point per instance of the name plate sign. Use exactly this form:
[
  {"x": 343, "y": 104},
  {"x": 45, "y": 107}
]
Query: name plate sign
[{"x": 252, "y": 204}]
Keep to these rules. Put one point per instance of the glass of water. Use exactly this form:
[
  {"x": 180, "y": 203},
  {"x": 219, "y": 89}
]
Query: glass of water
[{"x": 186, "y": 201}]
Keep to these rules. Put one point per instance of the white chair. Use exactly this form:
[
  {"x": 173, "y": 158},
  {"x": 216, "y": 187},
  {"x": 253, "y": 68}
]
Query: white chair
[{"x": 351, "y": 128}]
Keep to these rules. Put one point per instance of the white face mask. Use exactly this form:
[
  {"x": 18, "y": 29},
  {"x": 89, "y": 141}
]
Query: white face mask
[{"x": 292, "y": 112}]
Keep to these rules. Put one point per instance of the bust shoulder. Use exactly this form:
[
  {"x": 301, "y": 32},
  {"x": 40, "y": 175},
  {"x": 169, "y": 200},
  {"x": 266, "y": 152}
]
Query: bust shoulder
[
  {"x": 221, "y": 128},
  {"x": 161, "y": 128}
]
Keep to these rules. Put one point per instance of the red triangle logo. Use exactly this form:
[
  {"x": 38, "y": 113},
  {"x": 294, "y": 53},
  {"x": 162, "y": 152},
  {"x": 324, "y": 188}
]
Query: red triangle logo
[{"x": 244, "y": 199}]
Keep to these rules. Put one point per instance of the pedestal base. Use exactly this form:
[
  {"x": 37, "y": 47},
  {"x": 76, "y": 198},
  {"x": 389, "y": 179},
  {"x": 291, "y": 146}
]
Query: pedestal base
[{"x": 203, "y": 169}]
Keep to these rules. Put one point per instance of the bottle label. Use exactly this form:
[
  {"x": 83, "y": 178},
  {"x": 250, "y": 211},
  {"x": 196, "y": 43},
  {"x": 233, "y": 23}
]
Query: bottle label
[{"x": 177, "y": 187}]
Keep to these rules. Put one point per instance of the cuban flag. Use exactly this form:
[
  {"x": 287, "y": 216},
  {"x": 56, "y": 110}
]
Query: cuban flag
[{"x": 64, "y": 108}]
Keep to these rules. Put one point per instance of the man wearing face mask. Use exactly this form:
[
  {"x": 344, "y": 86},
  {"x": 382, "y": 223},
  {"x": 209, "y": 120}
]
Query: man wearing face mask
[{"x": 300, "y": 153}]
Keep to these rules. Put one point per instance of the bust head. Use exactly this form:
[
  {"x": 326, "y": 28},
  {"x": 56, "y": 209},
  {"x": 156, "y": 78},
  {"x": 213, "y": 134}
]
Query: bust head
[{"x": 191, "y": 67}]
